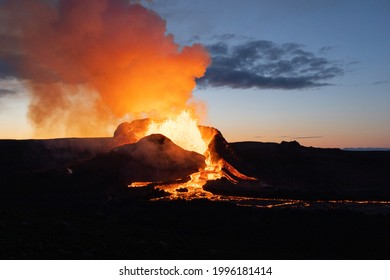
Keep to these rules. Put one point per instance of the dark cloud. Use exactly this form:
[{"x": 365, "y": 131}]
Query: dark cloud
[
  {"x": 381, "y": 82},
  {"x": 291, "y": 138},
  {"x": 265, "y": 64},
  {"x": 6, "y": 92},
  {"x": 7, "y": 83},
  {"x": 300, "y": 137},
  {"x": 308, "y": 137},
  {"x": 325, "y": 50},
  {"x": 6, "y": 70}
]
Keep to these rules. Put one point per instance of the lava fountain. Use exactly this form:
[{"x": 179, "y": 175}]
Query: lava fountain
[
  {"x": 184, "y": 131},
  {"x": 87, "y": 71},
  {"x": 89, "y": 64}
]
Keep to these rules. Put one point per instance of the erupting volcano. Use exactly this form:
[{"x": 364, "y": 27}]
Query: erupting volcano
[
  {"x": 90, "y": 64},
  {"x": 164, "y": 186},
  {"x": 184, "y": 131}
]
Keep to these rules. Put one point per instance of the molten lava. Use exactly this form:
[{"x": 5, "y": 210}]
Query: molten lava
[{"x": 184, "y": 132}]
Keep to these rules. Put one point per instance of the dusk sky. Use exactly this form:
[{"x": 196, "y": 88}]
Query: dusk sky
[{"x": 313, "y": 71}]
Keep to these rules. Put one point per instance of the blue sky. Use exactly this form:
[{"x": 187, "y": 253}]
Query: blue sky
[
  {"x": 353, "y": 110},
  {"x": 341, "y": 101}
]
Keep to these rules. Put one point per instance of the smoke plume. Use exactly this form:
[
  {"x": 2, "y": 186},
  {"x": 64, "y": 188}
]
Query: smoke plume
[{"x": 90, "y": 63}]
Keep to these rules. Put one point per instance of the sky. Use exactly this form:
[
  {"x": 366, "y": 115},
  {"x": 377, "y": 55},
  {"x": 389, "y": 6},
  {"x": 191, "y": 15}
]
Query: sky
[{"x": 317, "y": 72}]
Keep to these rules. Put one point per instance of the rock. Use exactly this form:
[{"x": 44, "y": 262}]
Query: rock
[
  {"x": 154, "y": 158},
  {"x": 220, "y": 149},
  {"x": 290, "y": 145},
  {"x": 158, "y": 151}
]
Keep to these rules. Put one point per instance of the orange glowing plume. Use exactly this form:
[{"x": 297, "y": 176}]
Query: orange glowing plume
[{"x": 90, "y": 63}]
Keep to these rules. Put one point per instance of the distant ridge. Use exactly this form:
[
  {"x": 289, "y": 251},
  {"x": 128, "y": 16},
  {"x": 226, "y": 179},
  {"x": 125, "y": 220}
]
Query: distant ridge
[{"x": 367, "y": 149}]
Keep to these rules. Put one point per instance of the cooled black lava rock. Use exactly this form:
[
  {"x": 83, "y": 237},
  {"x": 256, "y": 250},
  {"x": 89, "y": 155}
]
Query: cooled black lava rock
[{"x": 153, "y": 158}]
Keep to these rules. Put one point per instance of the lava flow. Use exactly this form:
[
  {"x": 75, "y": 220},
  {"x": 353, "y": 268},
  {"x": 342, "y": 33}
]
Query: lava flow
[{"x": 184, "y": 131}]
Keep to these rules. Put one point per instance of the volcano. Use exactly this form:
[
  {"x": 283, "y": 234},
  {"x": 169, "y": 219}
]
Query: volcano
[
  {"x": 132, "y": 162},
  {"x": 154, "y": 158},
  {"x": 138, "y": 159},
  {"x": 132, "y": 158},
  {"x": 162, "y": 187},
  {"x": 86, "y": 198}
]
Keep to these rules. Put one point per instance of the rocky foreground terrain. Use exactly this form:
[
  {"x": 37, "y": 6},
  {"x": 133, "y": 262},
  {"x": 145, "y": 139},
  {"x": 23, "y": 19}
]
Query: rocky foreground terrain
[{"x": 68, "y": 199}]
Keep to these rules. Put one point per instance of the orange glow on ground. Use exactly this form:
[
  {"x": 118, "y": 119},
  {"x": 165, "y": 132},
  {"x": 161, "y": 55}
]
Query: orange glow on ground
[{"x": 184, "y": 132}]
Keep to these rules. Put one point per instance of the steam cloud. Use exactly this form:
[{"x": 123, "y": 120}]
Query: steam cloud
[{"x": 88, "y": 63}]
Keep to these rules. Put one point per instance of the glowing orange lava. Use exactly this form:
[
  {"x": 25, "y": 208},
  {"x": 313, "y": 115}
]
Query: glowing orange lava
[
  {"x": 184, "y": 131},
  {"x": 139, "y": 184}
]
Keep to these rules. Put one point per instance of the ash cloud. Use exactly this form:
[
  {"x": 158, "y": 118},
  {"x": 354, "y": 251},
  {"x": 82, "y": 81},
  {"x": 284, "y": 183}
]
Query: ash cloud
[
  {"x": 89, "y": 64},
  {"x": 265, "y": 64}
]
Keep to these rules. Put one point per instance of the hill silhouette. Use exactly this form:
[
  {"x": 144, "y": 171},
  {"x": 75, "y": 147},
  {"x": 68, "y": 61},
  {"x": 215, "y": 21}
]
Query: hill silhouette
[{"x": 68, "y": 199}]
